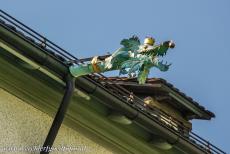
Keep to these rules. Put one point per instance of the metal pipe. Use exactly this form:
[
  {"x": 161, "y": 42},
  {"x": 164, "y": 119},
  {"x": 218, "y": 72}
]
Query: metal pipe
[{"x": 59, "y": 117}]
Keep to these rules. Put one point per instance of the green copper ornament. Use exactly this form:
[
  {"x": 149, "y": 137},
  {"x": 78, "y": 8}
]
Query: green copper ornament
[{"x": 132, "y": 59}]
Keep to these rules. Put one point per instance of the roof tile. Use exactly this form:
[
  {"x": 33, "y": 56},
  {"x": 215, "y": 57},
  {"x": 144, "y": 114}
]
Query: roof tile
[{"x": 171, "y": 86}]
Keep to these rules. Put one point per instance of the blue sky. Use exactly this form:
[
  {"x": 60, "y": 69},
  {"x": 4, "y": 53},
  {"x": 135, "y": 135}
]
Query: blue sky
[{"x": 200, "y": 30}]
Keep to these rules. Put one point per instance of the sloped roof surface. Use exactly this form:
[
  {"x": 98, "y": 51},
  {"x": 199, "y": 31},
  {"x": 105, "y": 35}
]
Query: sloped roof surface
[{"x": 164, "y": 82}]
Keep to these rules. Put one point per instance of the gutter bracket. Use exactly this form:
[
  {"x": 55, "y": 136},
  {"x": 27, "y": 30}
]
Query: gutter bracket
[{"x": 59, "y": 117}]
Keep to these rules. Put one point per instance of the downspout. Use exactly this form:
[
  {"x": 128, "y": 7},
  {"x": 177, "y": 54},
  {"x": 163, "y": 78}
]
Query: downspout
[
  {"x": 47, "y": 61},
  {"x": 59, "y": 117}
]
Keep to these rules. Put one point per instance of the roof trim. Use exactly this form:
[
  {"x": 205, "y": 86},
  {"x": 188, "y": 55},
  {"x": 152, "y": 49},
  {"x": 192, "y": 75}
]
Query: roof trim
[{"x": 173, "y": 92}]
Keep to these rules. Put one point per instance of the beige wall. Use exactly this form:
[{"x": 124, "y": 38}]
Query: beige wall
[{"x": 22, "y": 125}]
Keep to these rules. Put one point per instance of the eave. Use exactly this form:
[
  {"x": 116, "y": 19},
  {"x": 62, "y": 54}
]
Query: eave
[{"x": 161, "y": 87}]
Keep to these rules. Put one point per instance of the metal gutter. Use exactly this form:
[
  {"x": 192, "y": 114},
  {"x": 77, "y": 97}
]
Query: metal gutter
[{"x": 28, "y": 61}]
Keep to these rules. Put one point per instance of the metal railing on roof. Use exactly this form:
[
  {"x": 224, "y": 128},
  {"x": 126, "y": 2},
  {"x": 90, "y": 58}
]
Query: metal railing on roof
[
  {"x": 118, "y": 91},
  {"x": 161, "y": 118}
]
